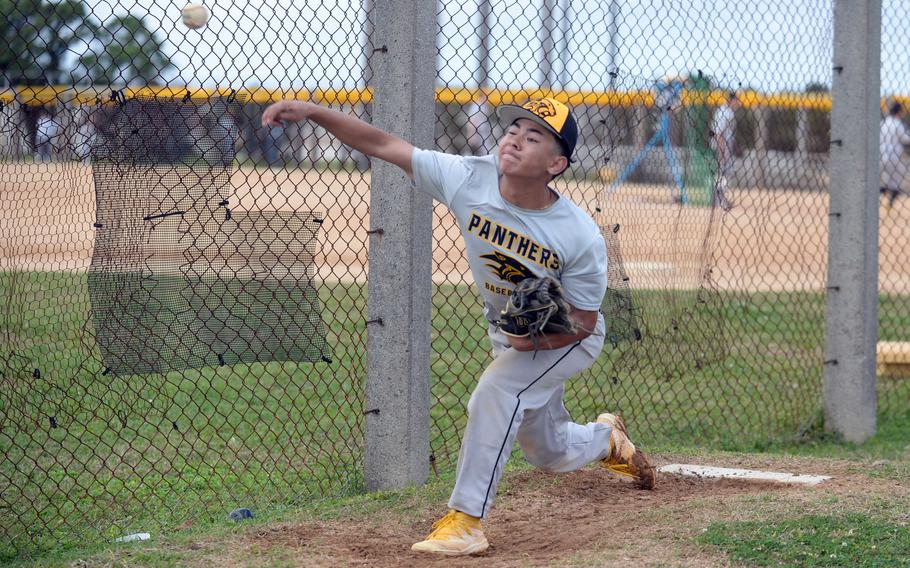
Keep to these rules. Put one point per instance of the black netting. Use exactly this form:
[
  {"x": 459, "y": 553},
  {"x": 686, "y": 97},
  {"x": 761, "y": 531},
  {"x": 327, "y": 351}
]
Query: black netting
[
  {"x": 622, "y": 319},
  {"x": 178, "y": 280}
]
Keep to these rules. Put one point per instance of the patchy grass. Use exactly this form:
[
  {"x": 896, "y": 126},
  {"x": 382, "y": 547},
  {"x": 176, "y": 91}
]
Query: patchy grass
[
  {"x": 851, "y": 540},
  {"x": 152, "y": 453},
  {"x": 695, "y": 523}
]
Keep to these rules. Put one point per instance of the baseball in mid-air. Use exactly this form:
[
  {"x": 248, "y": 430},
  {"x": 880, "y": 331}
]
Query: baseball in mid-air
[{"x": 195, "y": 15}]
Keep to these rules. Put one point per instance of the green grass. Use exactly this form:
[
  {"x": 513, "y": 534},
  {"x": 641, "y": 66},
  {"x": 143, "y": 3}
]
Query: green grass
[
  {"x": 890, "y": 446},
  {"x": 726, "y": 370},
  {"x": 731, "y": 370},
  {"x": 89, "y": 456},
  {"x": 824, "y": 541},
  {"x": 890, "y": 442}
]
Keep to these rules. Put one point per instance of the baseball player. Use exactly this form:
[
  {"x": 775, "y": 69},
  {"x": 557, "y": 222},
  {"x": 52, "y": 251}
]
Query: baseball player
[
  {"x": 723, "y": 129},
  {"x": 46, "y": 132},
  {"x": 514, "y": 226},
  {"x": 893, "y": 138}
]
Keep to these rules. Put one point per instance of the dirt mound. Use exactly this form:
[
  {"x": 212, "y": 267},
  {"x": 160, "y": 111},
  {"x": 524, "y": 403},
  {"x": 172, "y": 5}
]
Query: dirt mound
[{"x": 539, "y": 518}]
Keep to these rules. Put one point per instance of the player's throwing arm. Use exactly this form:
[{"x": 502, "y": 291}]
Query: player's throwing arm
[{"x": 348, "y": 129}]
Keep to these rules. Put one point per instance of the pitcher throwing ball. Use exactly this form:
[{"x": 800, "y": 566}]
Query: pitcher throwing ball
[{"x": 515, "y": 227}]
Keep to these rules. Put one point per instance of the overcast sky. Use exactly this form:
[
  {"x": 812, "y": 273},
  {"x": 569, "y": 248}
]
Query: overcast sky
[{"x": 763, "y": 44}]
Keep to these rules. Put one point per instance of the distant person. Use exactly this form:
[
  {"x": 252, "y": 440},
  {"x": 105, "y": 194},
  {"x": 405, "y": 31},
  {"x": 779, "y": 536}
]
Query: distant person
[
  {"x": 45, "y": 135},
  {"x": 723, "y": 140},
  {"x": 85, "y": 138},
  {"x": 477, "y": 129},
  {"x": 893, "y": 138},
  {"x": 225, "y": 136}
]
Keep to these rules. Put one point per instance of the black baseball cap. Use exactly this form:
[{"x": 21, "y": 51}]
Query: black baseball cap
[{"x": 556, "y": 117}]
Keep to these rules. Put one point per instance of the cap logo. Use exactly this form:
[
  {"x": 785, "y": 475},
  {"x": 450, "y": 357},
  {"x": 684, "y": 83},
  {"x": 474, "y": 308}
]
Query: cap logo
[
  {"x": 549, "y": 113},
  {"x": 542, "y": 108}
]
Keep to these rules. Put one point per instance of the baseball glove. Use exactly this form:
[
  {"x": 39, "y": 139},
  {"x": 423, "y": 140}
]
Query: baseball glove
[{"x": 535, "y": 307}]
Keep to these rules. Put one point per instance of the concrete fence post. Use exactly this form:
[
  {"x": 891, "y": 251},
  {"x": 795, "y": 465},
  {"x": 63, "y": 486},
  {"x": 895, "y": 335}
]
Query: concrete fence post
[
  {"x": 802, "y": 132},
  {"x": 852, "y": 314},
  {"x": 762, "y": 133},
  {"x": 397, "y": 397}
]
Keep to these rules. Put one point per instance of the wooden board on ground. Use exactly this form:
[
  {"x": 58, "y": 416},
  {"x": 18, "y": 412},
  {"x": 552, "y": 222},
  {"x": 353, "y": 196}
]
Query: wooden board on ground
[{"x": 893, "y": 359}]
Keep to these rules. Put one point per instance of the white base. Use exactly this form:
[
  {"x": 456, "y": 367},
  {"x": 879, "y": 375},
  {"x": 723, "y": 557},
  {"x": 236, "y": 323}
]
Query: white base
[{"x": 746, "y": 474}]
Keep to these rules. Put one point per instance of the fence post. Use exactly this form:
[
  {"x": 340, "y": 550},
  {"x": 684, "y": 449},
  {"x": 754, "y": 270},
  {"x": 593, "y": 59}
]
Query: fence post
[
  {"x": 483, "y": 50},
  {"x": 397, "y": 393},
  {"x": 802, "y": 133},
  {"x": 762, "y": 132},
  {"x": 852, "y": 314},
  {"x": 545, "y": 36}
]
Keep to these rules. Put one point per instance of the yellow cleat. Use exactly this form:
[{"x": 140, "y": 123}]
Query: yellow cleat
[
  {"x": 456, "y": 534},
  {"x": 624, "y": 458}
]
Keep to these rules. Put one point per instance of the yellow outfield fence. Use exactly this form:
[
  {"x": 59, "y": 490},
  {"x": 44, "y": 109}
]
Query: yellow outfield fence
[{"x": 52, "y": 95}]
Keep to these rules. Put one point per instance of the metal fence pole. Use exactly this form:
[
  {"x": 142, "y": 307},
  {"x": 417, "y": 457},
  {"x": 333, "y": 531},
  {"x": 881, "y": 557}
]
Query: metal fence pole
[
  {"x": 398, "y": 345},
  {"x": 483, "y": 49},
  {"x": 852, "y": 315},
  {"x": 547, "y": 45}
]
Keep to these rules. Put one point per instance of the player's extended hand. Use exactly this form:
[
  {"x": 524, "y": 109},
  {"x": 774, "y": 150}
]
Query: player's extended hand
[{"x": 286, "y": 111}]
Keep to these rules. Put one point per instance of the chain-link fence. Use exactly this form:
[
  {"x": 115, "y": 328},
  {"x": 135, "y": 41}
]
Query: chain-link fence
[
  {"x": 894, "y": 286},
  {"x": 703, "y": 152},
  {"x": 184, "y": 291}
]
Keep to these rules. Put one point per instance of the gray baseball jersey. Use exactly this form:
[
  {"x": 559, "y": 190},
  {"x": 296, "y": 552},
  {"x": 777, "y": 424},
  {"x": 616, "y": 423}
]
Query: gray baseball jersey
[
  {"x": 519, "y": 396},
  {"x": 506, "y": 244}
]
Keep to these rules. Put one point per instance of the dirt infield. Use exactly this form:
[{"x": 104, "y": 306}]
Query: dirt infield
[
  {"x": 771, "y": 240},
  {"x": 582, "y": 518},
  {"x": 523, "y": 530}
]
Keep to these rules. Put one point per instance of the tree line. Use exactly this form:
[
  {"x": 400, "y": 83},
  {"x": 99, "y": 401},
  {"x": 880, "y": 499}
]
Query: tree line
[{"x": 60, "y": 43}]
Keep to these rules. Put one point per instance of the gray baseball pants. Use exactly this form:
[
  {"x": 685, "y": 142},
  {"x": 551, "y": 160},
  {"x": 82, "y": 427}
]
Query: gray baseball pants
[{"x": 520, "y": 396}]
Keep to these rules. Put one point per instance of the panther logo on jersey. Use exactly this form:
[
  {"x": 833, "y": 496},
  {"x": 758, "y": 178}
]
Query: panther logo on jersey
[
  {"x": 507, "y": 268},
  {"x": 542, "y": 108}
]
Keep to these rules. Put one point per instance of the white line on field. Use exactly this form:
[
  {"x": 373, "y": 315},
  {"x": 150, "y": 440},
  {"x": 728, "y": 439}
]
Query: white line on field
[{"x": 746, "y": 474}]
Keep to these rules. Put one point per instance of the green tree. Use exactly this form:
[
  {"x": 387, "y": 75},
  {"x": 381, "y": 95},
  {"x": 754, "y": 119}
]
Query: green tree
[
  {"x": 131, "y": 54},
  {"x": 38, "y": 36},
  {"x": 816, "y": 88}
]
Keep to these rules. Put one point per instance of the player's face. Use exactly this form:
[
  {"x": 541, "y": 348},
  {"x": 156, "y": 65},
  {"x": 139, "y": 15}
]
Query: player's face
[{"x": 528, "y": 150}]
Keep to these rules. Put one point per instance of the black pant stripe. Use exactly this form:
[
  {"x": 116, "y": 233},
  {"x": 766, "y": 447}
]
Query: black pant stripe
[{"x": 512, "y": 421}]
